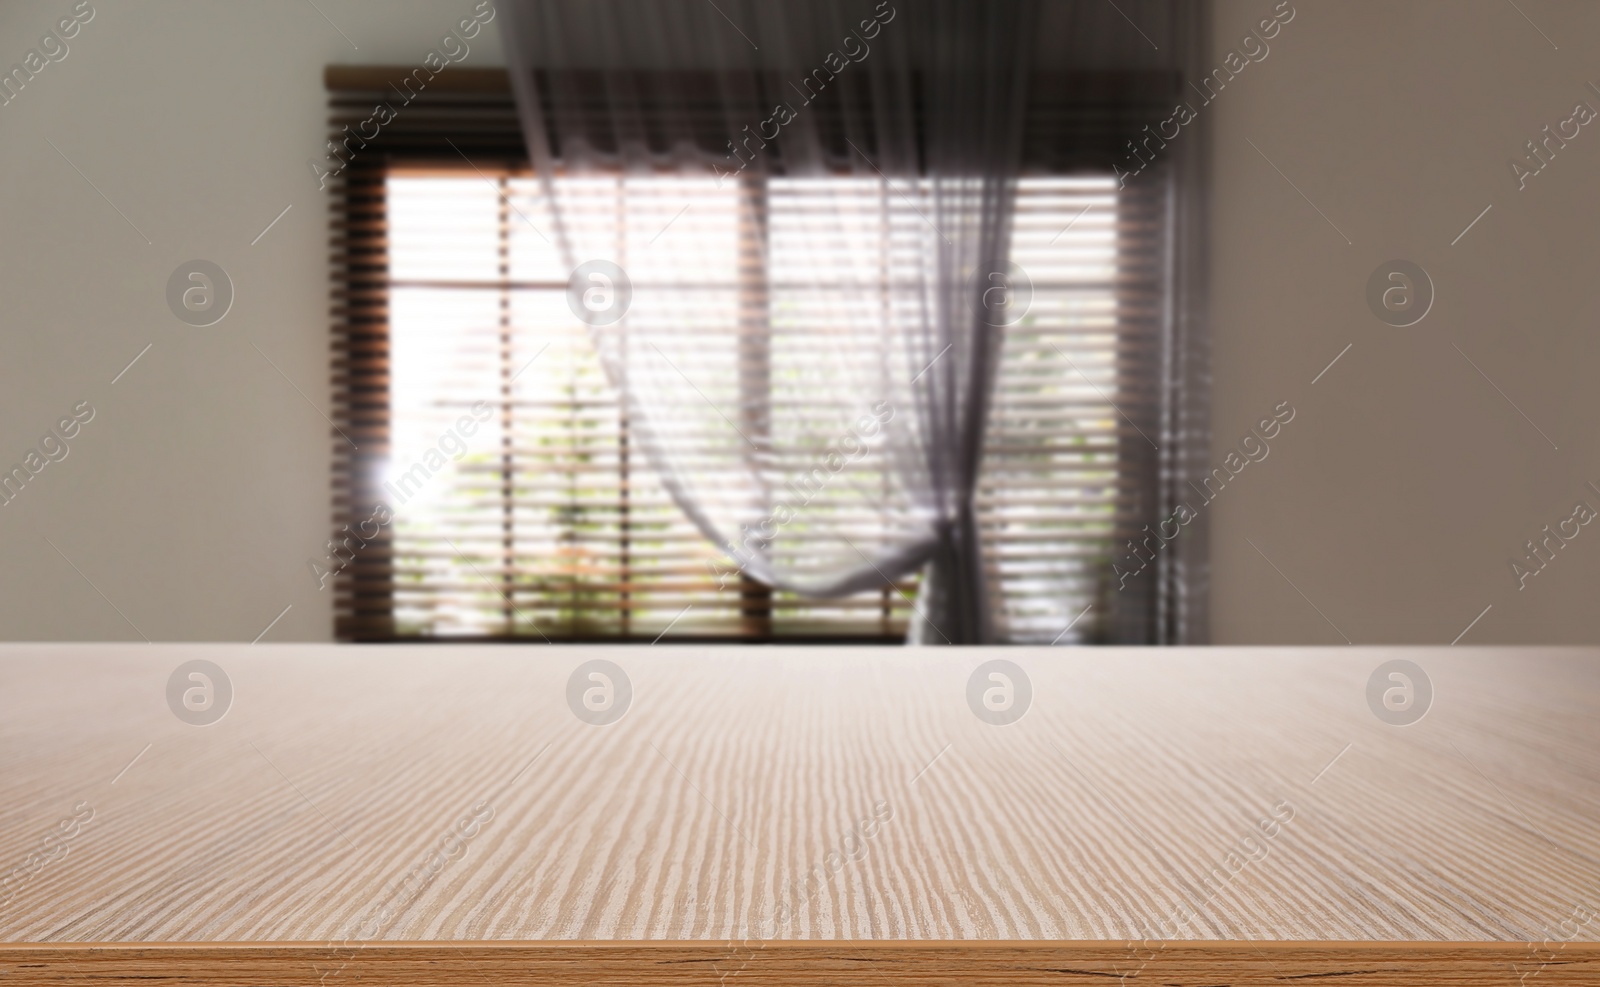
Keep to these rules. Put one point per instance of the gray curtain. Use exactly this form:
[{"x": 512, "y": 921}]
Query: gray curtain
[
  {"x": 1182, "y": 612},
  {"x": 921, "y": 107},
  {"x": 877, "y": 325}
]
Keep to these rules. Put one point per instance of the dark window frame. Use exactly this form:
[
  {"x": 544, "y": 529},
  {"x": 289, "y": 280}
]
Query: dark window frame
[{"x": 1072, "y": 129}]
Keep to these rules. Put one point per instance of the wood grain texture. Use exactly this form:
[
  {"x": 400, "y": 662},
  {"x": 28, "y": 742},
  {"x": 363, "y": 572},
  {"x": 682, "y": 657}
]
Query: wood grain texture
[{"x": 1103, "y": 821}]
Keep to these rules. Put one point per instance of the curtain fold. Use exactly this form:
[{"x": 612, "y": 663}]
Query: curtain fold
[
  {"x": 1183, "y": 608},
  {"x": 809, "y": 344}
]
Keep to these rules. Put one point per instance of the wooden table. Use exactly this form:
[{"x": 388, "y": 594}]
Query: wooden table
[{"x": 441, "y": 814}]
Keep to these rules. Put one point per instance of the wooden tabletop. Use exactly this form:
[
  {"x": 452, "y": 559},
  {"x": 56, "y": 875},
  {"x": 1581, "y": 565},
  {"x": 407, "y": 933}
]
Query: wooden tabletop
[{"x": 393, "y": 814}]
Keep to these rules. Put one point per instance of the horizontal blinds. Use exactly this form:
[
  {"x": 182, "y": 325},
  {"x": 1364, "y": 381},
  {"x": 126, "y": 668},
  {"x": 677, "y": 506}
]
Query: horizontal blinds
[
  {"x": 1066, "y": 463},
  {"x": 548, "y": 519},
  {"x": 452, "y": 318}
]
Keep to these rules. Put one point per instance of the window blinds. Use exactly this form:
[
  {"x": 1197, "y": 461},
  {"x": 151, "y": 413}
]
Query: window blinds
[{"x": 547, "y": 522}]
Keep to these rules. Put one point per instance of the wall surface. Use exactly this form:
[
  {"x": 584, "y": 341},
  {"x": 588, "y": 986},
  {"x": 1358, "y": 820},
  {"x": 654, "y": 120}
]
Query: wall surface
[
  {"x": 1409, "y": 480},
  {"x": 1391, "y": 507},
  {"x": 191, "y": 501}
]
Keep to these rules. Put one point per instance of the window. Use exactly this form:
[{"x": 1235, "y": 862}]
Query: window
[
  {"x": 448, "y": 305},
  {"x": 524, "y": 505}
]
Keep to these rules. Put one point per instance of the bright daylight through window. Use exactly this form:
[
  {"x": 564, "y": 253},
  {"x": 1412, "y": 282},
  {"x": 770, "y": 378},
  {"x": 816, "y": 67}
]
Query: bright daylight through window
[{"x": 525, "y": 503}]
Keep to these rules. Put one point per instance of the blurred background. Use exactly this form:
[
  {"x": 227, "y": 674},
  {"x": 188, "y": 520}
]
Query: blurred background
[{"x": 1418, "y": 477}]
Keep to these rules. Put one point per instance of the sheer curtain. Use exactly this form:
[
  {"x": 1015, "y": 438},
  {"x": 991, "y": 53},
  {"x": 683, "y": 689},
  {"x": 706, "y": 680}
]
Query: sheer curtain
[{"x": 810, "y": 376}]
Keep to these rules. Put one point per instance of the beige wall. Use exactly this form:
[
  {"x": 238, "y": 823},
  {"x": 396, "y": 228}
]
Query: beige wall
[
  {"x": 194, "y": 497},
  {"x": 1404, "y": 487},
  {"x": 1394, "y": 500}
]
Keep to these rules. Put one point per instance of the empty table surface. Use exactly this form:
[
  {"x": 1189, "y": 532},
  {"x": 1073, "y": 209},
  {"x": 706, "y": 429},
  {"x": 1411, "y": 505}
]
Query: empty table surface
[{"x": 770, "y": 811}]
